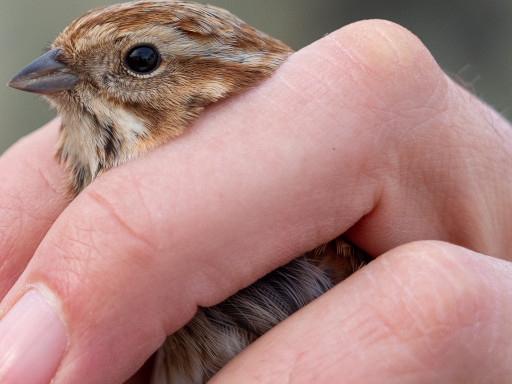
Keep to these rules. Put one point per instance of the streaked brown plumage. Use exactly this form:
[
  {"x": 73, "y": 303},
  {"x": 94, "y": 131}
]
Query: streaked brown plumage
[{"x": 128, "y": 77}]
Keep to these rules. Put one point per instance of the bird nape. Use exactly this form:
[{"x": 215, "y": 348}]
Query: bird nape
[{"x": 125, "y": 78}]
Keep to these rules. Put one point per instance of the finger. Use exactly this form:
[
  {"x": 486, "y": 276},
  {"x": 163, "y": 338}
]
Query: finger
[
  {"x": 425, "y": 312},
  {"x": 442, "y": 155},
  {"x": 253, "y": 183},
  {"x": 30, "y": 200}
]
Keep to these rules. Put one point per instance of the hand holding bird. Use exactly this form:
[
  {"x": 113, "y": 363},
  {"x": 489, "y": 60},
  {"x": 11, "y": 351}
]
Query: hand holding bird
[
  {"x": 132, "y": 76},
  {"x": 329, "y": 195}
]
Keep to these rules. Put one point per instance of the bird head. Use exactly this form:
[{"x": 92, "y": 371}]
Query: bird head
[{"x": 127, "y": 77}]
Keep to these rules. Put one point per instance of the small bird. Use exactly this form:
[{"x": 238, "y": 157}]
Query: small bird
[{"x": 125, "y": 78}]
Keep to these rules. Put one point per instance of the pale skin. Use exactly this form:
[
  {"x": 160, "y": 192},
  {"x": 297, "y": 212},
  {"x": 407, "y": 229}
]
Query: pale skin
[{"x": 359, "y": 132}]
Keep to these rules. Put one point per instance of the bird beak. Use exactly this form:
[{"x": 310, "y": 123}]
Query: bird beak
[{"x": 45, "y": 75}]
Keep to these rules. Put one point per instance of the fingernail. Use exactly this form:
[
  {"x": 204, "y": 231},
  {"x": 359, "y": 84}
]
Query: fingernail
[{"x": 32, "y": 341}]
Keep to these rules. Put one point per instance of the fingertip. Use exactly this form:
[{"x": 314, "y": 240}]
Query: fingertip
[{"x": 32, "y": 340}]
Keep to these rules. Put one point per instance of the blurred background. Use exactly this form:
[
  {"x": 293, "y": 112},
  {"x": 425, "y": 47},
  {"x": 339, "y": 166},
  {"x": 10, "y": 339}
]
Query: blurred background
[{"x": 471, "y": 40}]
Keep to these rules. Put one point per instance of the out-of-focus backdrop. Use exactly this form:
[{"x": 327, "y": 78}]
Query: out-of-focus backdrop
[{"x": 471, "y": 40}]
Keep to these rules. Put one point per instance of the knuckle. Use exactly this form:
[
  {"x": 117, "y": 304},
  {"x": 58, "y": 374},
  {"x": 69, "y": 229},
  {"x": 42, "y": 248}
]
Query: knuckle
[
  {"x": 446, "y": 306},
  {"x": 396, "y": 89},
  {"x": 386, "y": 50},
  {"x": 392, "y": 63},
  {"x": 448, "y": 288}
]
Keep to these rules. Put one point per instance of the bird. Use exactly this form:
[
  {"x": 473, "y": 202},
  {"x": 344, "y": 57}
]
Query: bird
[{"x": 128, "y": 77}]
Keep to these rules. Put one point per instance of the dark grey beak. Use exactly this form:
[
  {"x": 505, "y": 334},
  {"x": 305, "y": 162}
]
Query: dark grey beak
[{"x": 45, "y": 75}]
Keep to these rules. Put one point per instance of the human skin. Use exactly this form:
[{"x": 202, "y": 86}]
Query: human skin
[{"x": 362, "y": 133}]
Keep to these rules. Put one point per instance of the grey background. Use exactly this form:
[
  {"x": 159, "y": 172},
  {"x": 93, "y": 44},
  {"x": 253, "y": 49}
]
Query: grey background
[{"x": 470, "y": 39}]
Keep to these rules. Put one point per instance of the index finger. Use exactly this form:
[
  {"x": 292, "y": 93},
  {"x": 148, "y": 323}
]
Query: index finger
[{"x": 31, "y": 199}]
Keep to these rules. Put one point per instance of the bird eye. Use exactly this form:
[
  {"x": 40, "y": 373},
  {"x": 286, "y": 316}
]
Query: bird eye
[{"x": 142, "y": 59}]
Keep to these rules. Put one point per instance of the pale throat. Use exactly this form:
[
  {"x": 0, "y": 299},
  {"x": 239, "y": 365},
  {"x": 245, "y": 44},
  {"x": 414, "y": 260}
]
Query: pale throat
[{"x": 101, "y": 137}]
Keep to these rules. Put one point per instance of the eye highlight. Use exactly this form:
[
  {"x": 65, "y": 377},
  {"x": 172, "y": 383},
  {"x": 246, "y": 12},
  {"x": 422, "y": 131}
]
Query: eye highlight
[{"x": 142, "y": 59}]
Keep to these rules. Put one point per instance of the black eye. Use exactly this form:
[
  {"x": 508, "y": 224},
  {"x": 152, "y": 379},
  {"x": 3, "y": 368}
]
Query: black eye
[{"x": 142, "y": 59}]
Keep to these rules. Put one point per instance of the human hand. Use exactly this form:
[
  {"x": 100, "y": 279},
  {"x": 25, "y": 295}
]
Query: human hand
[{"x": 361, "y": 132}]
